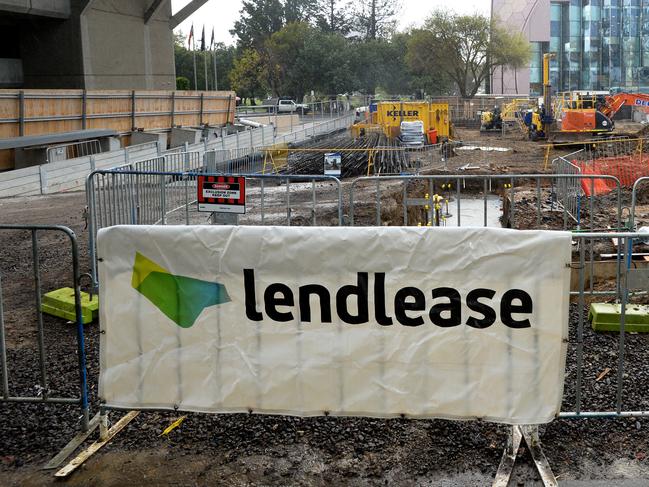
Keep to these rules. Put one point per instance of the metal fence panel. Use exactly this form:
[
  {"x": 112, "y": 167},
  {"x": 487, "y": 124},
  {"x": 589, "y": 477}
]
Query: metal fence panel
[
  {"x": 129, "y": 197},
  {"x": 568, "y": 190},
  {"x": 477, "y": 191},
  {"x": 44, "y": 394}
]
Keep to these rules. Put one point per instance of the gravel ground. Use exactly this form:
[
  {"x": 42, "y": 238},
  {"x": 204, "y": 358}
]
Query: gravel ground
[{"x": 270, "y": 450}]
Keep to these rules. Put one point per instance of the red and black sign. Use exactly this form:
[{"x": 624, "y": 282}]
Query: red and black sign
[{"x": 222, "y": 194}]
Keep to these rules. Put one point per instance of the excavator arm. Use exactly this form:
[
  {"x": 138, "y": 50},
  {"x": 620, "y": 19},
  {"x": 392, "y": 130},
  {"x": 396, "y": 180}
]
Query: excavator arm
[{"x": 613, "y": 103}]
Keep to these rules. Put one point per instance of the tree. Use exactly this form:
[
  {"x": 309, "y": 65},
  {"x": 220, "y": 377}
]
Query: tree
[
  {"x": 182, "y": 83},
  {"x": 327, "y": 63},
  {"x": 248, "y": 75},
  {"x": 281, "y": 55},
  {"x": 334, "y": 16},
  {"x": 508, "y": 50},
  {"x": 376, "y": 18},
  {"x": 300, "y": 10},
  {"x": 259, "y": 19},
  {"x": 462, "y": 47}
]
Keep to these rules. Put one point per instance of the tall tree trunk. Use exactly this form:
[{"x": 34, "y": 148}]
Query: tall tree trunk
[
  {"x": 373, "y": 20},
  {"x": 502, "y": 80},
  {"x": 516, "y": 80}
]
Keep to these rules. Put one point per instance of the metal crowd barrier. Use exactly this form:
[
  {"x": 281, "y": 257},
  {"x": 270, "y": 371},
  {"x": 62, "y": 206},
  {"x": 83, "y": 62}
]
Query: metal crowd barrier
[
  {"x": 44, "y": 384},
  {"x": 487, "y": 185},
  {"x": 73, "y": 150},
  {"x": 568, "y": 190},
  {"x": 634, "y": 200},
  {"x": 128, "y": 197},
  {"x": 631, "y": 283}
]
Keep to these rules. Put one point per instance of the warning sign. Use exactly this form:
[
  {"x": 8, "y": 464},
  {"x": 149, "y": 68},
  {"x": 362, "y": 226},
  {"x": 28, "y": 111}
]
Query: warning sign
[{"x": 222, "y": 194}]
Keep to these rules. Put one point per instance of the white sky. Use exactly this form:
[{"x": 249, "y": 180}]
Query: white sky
[{"x": 221, "y": 14}]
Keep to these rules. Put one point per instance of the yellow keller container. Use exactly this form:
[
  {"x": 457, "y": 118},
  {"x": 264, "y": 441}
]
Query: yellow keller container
[{"x": 434, "y": 115}]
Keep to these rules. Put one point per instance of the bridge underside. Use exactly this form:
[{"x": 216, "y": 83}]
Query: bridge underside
[{"x": 92, "y": 44}]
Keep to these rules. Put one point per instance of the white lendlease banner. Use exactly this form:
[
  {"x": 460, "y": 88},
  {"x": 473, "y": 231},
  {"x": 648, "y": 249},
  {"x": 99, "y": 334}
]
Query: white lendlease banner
[{"x": 455, "y": 323}]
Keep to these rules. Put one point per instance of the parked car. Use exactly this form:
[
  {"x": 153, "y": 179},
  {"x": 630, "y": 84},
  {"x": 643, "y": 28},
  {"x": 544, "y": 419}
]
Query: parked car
[{"x": 286, "y": 105}]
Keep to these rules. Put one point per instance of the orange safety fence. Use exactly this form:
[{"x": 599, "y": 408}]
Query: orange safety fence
[{"x": 627, "y": 169}]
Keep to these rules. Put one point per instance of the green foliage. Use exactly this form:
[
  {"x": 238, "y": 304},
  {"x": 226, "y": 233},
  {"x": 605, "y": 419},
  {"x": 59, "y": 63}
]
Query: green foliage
[
  {"x": 334, "y": 16},
  {"x": 259, "y": 19},
  {"x": 225, "y": 56},
  {"x": 465, "y": 49},
  {"x": 376, "y": 18},
  {"x": 248, "y": 75},
  {"x": 182, "y": 83},
  {"x": 293, "y": 47}
]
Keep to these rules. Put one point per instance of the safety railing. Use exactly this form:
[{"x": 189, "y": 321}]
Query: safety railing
[
  {"x": 321, "y": 108},
  {"x": 49, "y": 384},
  {"x": 240, "y": 161},
  {"x": 634, "y": 201},
  {"x": 376, "y": 160},
  {"x": 73, "y": 150},
  {"x": 608, "y": 399},
  {"x": 568, "y": 190},
  {"x": 419, "y": 191},
  {"x": 128, "y": 197}
]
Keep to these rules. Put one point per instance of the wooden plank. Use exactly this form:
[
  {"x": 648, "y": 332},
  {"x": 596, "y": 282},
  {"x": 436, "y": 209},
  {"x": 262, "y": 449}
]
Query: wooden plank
[
  {"x": 84, "y": 455},
  {"x": 74, "y": 443},
  {"x": 113, "y": 107}
]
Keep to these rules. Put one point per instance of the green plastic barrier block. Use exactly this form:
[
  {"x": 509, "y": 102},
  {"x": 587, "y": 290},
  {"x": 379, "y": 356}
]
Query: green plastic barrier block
[
  {"x": 606, "y": 317},
  {"x": 60, "y": 303}
]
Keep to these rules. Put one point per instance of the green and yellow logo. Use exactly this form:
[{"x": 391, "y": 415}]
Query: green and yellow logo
[{"x": 182, "y": 299}]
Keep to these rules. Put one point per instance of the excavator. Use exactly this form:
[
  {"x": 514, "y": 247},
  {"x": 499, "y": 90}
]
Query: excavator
[
  {"x": 588, "y": 115},
  {"x": 593, "y": 115},
  {"x": 510, "y": 112},
  {"x": 491, "y": 121}
]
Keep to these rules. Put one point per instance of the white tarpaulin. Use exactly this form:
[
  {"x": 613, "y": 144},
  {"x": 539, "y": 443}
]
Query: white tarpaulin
[{"x": 426, "y": 322}]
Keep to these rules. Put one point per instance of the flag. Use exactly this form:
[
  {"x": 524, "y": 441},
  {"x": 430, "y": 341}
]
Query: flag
[
  {"x": 203, "y": 39},
  {"x": 190, "y": 38},
  {"x": 212, "y": 40}
]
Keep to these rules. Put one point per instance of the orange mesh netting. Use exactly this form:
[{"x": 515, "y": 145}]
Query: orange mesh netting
[{"x": 627, "y": 169}]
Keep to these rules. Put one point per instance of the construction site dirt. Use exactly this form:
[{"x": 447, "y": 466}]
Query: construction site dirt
[{"x": 274, "y": 450}]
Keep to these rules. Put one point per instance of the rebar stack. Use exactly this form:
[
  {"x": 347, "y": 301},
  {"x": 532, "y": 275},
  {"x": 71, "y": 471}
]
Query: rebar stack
[{"x": 387, "y": 156}]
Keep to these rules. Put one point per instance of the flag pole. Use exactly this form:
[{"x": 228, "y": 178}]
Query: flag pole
[
  {"x": 216, "y": 85},
  {"x": 205, "y": 66},
  {"x": 195, "y": 79},
  {"x": 213, "y": 49}
]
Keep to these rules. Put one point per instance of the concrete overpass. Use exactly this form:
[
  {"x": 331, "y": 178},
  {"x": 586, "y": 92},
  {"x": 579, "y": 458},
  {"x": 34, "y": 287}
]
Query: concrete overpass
[{"x": 91, "y": 44}]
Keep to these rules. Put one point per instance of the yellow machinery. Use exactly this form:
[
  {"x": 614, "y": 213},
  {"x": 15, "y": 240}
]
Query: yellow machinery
[
  {"x": 435, "y": 116},
  {"x": 491, "y": 120},
  {"x": 510, "y": 112},
  {"x": 540, "y": 120}
]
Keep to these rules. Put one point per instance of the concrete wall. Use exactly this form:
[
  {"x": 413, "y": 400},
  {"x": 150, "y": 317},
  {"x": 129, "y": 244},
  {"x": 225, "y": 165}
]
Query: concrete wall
[
  {"x": 51, "y": 52},
  {"x": 121, "y": 51},
  {"x": 45, "y": 8},
  {"x": 98, "y": 44},
  {"x": 144, "y": 137},
  {"x": 11, "y": 73}
]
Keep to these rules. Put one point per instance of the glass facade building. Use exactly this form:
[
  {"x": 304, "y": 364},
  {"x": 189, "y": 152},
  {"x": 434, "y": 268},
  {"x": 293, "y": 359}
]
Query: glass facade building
[{"x": 599, "y": 44}]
